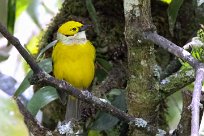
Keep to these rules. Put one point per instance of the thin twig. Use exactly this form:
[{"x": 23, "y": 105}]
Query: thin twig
[
  {"x": 195, "y": 105},
  {"x": 171, "y": 47},
  {"x": 82, "y": 95}
]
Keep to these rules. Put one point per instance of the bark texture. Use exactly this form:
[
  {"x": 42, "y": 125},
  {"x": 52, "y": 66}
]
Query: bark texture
[{"x": 142, "y": 93}]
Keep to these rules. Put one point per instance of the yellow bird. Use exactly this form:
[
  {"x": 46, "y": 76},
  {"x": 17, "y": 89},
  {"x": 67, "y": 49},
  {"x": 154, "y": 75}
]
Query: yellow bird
[{"x": 73, "y": 61}]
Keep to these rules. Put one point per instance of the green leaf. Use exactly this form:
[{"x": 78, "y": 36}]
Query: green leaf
[
  {"x": 12, "y": 122},
  {"x": 119, "y": 100},
  {"x": 115, "y": 92},
  {"x": 166, "y": 1},
  {"x": 41, "y": 98},
  {"x": 200, "y": 34},
  {"x": 92, "y": 13},
  {"x": 94, "y": 133},
  {"x": 173, "y": 12},
  {"x": 3, "y": 56},
  {"x": 106, "y": 121},
  {"x": 45, "y": 64},
  {"x": 24, "y": 84},
  {"x": 21, "y": 5},
  {"x": 174, "y": 109},
  {"x": 32, "y": 45},
  {"x": 46, "y": 48},
  {"x": 104, "y": 63},
  {"x": 104, "y": 68},
  {"x": 11, "y": 15},
  {"x": 100, "y": 74},
  {"x": 198, "y": 53}
]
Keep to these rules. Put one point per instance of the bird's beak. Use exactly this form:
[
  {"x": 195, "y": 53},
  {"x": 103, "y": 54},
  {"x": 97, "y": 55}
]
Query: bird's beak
[{"x": 84, "y": 27}]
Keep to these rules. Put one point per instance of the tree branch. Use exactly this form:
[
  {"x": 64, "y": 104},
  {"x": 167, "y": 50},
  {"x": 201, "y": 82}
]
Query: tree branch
[
  {"x": 195, "y": 104},
  {"x": 171, "y": 47},
  {"x": 100, "y": 104},
  {"x": 14, "y": 41},
  {"x": 41, "y": 77},
  {"x": 177, "y": 81},
  {"x": 198, "y": 66},
  {"x": 35, "y": 128}
]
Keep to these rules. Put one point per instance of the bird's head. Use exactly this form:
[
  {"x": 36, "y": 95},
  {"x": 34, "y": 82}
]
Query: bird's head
[
  {"x": 72, "y": 32},
  {"x": 71, "y": 28}
]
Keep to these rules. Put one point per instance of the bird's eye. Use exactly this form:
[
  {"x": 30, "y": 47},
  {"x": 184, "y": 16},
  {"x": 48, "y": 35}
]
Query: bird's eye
[{"x": 74, "y": 29}]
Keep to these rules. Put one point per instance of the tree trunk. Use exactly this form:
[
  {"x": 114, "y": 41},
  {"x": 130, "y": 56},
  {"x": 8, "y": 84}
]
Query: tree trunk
[{"x": 142, "y": 92}]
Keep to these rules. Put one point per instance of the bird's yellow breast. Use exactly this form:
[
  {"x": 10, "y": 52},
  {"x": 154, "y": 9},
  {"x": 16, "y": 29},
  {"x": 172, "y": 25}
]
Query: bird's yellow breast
[{"x": 74, "y": 63}]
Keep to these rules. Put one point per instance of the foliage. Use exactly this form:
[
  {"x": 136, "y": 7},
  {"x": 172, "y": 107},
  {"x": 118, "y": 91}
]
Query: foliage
[
  {"x": 21, "y": 5},
  {"x": 166, "y": 1},
  {"x": 42, "y": 51},
  {"x": 11, "y": 15},
  {"x": 105, "y": 121},
  {"x": 92, "y": 13},
  {"x": 15, "y": 8},
  {"x": 3, "y": 56},
  {"x": 173, "y": 114},
  {"x": 32, "y": 45},
  {"x": 46, "y": 65},
  {"x": 173, "y": 13},
  {"x": 12, "y": 122},
  {"x": 41, "y": 98}
]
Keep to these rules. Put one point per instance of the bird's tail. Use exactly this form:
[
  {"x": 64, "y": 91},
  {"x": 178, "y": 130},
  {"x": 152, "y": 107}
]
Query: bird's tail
[{"x": 73, "y": 109}]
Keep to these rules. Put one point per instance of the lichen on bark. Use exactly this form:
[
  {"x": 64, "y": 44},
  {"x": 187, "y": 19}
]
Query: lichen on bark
[{"x": 142, "y": 93}]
